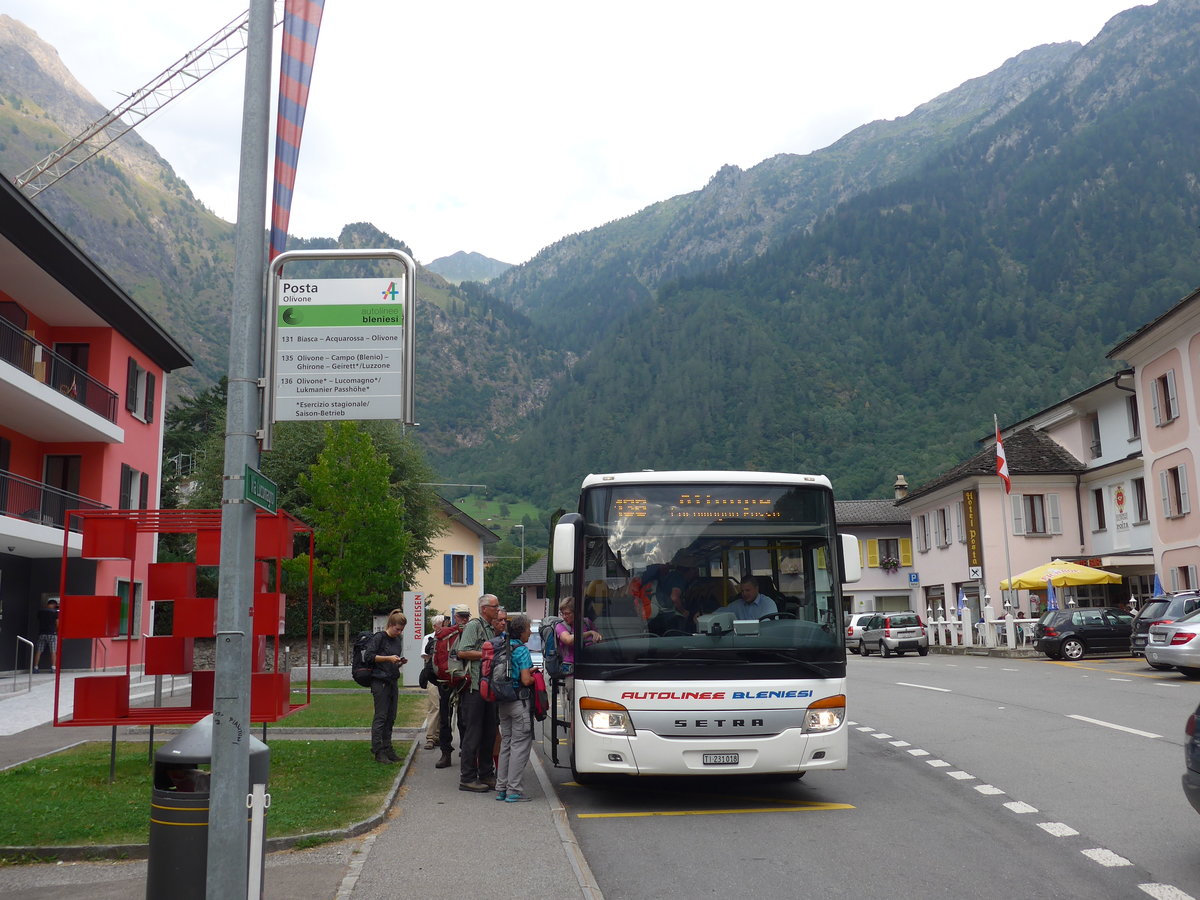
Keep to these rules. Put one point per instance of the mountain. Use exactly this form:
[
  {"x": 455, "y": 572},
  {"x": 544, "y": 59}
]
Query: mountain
[
  {"x": 858, "y": 311},
  {"x": 597, "y": 275},
  {"x": 462, "y": 266},
  {"x": 481, "y": 364},
  {"x": 992, "y": 277}
]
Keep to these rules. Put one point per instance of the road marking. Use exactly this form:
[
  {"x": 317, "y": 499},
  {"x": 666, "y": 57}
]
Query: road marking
[
  {"x": 865, "y": 729},
  {"x": 1010, "y": 670},
  {"x": 1106, "y": 857},
  {"x": 919, "y": 752},
  {"x": 1164, "y": 892},
  {"x": 925, "y": 687},
  {"x": 989, "y": 789},
  {"x": 1170, "y": 684},
  {"x": 961, "y": 776},
  {"x": 900, "y": 743},
  {"x": 803, "y": 807},
  {"x": 1146, "y": 734},
  {"x": 881, "y": 736},
  {"x": 1058, "y": 829},
  {"x": 937, "y": 763},
  {"x": 1121, "y": 679},
  {"x": 1020, "y": 807}
]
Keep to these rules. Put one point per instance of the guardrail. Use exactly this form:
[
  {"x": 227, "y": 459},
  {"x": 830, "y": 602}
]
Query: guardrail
[
  {"x": 41, "y": 363},
  {"x": 16, "y": 656}
]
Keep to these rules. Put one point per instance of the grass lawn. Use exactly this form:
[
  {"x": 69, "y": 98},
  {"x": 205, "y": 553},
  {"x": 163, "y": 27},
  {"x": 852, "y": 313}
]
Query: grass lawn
[
  {"x": 350, "y": 711},
  {"x": 65, "y": 799}
]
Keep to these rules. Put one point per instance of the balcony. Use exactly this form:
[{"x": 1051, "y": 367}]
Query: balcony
[
  {"x": 32, "y": 515},
  {"x": 50, "y": 398}
]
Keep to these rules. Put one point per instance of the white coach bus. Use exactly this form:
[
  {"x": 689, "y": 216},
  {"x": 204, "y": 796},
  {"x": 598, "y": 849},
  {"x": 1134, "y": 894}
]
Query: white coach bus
[{"x": 717, "y": 598}]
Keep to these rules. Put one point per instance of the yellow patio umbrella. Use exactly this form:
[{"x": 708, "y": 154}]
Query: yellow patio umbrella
[{"x": 1061, "y": 574}]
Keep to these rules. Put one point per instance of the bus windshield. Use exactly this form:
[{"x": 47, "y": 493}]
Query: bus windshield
[{"x": 709, "y": 580}]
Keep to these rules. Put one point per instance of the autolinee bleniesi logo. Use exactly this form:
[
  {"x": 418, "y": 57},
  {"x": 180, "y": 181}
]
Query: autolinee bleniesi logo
[{"x": 390, "y": 292}]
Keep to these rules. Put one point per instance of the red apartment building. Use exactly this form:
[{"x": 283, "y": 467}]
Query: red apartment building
[{"x": 82, "y": 387}]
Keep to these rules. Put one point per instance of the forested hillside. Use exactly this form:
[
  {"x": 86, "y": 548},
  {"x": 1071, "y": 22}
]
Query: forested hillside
[{"x": 994, "y": 278}]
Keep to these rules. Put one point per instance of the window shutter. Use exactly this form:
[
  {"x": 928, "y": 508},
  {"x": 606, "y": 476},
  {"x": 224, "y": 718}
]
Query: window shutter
[
  {"x": 149, "y": 407},
  {"x": 1185, "y": 506},
  {"x": 1174, "y": 580},
  {"x": 939, "y": 539},
  {"x": 873, "y": 554},
  {"x": 144, "y": 491},
  {"x": 862, "y": 552},
  {"x": 1154, "y": 404},
  {"x": 1191, "y": 572},
  {"x": 960, "y": 522},
  {"x": 1018, "y": 511},
  {"x": 469, "y": 568},
  {"x": 1055, "y": 524},
  {"x": 906, "y": 551},
  {"x": 447, "y": 568},
  {"x": 1172, "y": 411},
  {"x": 126, "y": 482},
  {"x": 1164, "y": 485},
  {"x": 131, "y": 381}
]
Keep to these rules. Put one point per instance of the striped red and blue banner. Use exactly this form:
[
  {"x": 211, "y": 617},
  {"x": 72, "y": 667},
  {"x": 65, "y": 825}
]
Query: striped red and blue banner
[{"x": 301, "y": 24}]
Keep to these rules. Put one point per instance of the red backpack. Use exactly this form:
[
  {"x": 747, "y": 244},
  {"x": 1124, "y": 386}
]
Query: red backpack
[{"x": 445, "y": 639}]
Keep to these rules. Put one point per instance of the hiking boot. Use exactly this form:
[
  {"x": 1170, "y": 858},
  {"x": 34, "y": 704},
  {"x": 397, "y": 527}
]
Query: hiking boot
[
  {"x": 490, "y": 782},
  {"x": 382, "y": 757},
  {"x": 444, "y": 762},
  {"x": 429, "y": 745},
  {"x": 390, "y": 753},
  {"x": 476, "y": 787}
]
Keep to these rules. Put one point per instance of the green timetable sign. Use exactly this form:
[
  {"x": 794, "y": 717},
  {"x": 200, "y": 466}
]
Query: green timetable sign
[{"x": 339, "y": 349}]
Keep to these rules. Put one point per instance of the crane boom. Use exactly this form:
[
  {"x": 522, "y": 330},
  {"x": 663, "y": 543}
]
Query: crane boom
[{"x": 194, "y": 66}]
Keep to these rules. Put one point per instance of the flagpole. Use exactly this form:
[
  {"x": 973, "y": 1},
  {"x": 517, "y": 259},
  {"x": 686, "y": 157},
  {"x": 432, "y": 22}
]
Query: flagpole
[{"x": 1001, "y": 458}]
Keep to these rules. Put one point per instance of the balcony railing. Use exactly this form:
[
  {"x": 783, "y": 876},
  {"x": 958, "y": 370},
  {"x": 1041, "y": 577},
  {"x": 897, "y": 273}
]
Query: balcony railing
[
  {"x": 22, "y": 498},
  {"x": 40, "y": 362}
]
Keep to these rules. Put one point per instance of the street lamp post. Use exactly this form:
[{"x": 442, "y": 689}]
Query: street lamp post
[{"x": 522, "y": 527}]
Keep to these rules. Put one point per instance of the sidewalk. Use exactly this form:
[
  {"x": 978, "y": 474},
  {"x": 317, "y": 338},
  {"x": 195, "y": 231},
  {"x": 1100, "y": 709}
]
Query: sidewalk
[{"x": 406, "y": 851}]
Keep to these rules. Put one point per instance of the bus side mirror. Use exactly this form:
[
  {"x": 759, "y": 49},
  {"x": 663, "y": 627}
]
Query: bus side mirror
[
  {"x": 851, "y": 561},
  {"x": 563, "y": 548}
]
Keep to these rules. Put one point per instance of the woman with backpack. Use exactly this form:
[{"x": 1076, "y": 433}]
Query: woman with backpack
[{"x": 516, "y": 727}]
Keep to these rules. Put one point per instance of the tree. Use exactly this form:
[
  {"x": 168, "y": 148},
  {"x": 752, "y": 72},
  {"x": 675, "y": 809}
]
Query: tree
[
  {"x": 496, "y": 579},
  {"x": 359, "y": 530}
]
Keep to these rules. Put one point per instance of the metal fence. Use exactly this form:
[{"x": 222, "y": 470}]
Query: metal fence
[{"x": 23, "y": 498}]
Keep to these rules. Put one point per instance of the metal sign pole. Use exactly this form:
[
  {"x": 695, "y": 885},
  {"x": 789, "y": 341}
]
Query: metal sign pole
[{"x": 227, "y": 867}]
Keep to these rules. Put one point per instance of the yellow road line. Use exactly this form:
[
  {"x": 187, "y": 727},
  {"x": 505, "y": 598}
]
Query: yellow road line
[
  {"x": 1158, "y": 676},
  {"x": 806, "y": 807}
]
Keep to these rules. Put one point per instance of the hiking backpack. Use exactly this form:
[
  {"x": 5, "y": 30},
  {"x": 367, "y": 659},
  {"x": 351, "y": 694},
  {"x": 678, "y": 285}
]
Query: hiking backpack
[
  {"x": 495, "y": 671},
  {"x": 359, "y": 670},
  {"x": 445, "y": 640},
  {"x": 539, "y": 703},
  {"x": 552, "y": 661}
]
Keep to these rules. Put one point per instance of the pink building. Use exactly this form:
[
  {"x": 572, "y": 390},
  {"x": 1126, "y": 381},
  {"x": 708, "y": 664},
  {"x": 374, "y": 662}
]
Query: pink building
[
  {"x": 82, "y": 387},
  {"x": 1166, "y": 376}
]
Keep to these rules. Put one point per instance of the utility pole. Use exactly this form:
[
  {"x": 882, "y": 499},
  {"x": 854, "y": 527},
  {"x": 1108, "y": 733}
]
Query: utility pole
[{"x": 228, "y": 855}]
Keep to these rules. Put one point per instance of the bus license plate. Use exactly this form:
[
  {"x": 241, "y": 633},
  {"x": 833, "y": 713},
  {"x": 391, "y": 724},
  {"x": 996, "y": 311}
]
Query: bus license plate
[{"x": 720, "y": 759}]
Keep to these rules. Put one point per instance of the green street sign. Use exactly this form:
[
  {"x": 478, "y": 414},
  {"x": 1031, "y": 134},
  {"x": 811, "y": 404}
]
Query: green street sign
[{"x": 261, "y": 490}]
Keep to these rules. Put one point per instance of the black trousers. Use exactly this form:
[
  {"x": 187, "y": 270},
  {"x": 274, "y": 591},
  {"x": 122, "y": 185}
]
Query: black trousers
[
  {"x": 479, "y": 724},
  {"x": 385, "y": 693},
  {"x": 445, "y": 711}
]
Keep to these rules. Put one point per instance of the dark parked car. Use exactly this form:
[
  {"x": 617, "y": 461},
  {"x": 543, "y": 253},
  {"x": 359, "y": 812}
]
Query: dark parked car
[
  {"x": 1160, "y": 611},
  {"x": 1071, "y": 633},
  {"x": 1191, "y": 759}
]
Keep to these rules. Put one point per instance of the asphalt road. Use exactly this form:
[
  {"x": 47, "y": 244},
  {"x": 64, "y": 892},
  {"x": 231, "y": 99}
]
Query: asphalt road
[{"x": 992, "y": 778}]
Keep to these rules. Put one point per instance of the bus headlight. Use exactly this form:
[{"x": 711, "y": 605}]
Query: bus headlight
[
  {"x": 605, "y": 717},
  {"x": 825, "y": 715}
]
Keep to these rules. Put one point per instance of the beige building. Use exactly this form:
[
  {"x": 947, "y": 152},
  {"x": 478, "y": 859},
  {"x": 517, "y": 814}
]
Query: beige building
[{"x": 455, "y": 573}]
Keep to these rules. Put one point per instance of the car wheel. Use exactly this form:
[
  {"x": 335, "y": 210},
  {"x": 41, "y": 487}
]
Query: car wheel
[
  {"x": 1189, "y": 672},
  {"x": 899, "y": 652},
  {"x": 862, "y": 649},
  {"x": 884, "y": 650},
  {"x": 581, "y": 778},
  {"x": 1072, "y": 648},
  {"x": 1162, "y": 667},
  {"x": 924, "y": 651}
]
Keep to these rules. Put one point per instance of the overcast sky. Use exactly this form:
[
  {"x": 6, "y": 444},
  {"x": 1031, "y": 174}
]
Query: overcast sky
[{"x": 499, "y": 128}]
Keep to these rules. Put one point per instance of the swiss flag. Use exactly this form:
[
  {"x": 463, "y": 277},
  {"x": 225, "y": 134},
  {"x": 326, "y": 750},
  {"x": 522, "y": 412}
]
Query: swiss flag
[{"x": 1002, "y": 463}]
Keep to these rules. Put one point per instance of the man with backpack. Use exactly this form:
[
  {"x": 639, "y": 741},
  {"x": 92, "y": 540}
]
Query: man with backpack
[
  {"x": 385, "y": 655},
  {"x": 478, "y": 717},
  {"x": 450, "y": 681}
]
